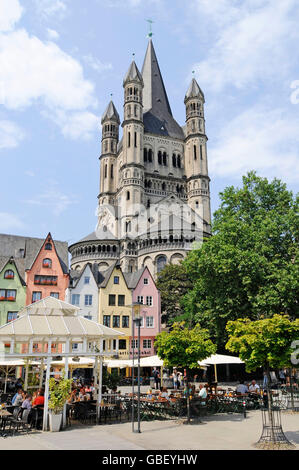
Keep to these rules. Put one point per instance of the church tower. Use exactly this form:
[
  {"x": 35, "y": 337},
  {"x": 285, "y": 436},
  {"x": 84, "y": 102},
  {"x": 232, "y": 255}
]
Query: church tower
[
  {"x": 110, "y": 134},
  {"x": 196, "y": 162}
]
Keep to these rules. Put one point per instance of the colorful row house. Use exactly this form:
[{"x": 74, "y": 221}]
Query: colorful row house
[
  {"x": 107, "y": 297},
  {"x": 30, "y": 270}
]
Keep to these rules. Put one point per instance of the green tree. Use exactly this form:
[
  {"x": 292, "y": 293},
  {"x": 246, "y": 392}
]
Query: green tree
[
  {"x": 266, "y": 343},
  {"x": 183, "y": 347},
  {"x": 249, "y": 267},
  {"x": 173, "y": 283}
]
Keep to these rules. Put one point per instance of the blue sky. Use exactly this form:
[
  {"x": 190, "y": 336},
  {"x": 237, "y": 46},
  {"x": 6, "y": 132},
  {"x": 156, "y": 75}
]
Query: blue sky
[{"x": 61, "y": 59}]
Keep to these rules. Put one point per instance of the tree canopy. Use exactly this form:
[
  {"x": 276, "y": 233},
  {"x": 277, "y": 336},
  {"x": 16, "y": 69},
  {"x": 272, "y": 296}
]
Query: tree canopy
[
  {"x": 173, "y": 283},
  {"x": 183, "y": 347},
  {"x": 249, "y": 267},
  {"x": 263, "y": 343}
]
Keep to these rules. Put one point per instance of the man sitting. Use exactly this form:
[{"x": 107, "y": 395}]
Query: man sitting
[
  {"x": 254, "y": 387},
  {"x": 18, "y": 398},
  {"x": 241, "y": 388}
]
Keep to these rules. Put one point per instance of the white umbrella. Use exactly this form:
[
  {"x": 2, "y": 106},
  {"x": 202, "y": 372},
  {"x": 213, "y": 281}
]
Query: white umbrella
[
  {"x": 216, "y": 359},
  {"x": 151, "y": 361}
]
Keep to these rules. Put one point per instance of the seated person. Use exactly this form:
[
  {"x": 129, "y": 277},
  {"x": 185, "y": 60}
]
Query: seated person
[
  {"x": 18, "y": 398},
  {"x": 40, "y": 399},
  {"x": 241, "y": 388},
  {"x": 149, "y": 393},
  {"x": 164, "y": 394},
  {"x": 254, "y": 387},
  {"x": 27, "y": 402}
]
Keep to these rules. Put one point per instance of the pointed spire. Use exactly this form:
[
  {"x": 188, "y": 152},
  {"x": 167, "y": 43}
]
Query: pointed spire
[
  {"x": 157, "y": 115},
  {"x": 110, "y": 113},
  {"x": 194, "y": 90},
  {"x": 133, "y": 74},
  {"x": 154, "y": 94}
]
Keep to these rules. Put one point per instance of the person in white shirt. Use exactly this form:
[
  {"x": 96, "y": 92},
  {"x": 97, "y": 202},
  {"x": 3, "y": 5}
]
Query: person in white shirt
[
  {"x": 203, "y": 394},
  {"x": 254, "y": 387},
  {"x": 242, "y": 388}
]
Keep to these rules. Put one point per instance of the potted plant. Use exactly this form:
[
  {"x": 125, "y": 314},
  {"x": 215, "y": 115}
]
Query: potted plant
[{"x": 59, "y": 393}]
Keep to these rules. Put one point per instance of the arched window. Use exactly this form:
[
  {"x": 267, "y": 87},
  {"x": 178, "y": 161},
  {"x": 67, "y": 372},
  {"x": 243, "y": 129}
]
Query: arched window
[
  {"x": 150, "y": 155},
  {"x": 163, "y": 187},
  {"x": 194, "y": 152},
  {"x": 174, "y": 160},
  {"x": 135, "y": 110},
  {"x": 9, "y": 274},
  {"x": 105, "y": 171},
  {"x": 129, "y": 139},
  {"x": 145, "y": 154},
  {"x": 160, "y": 157},
  {"x": 161, "y": 262},
  {"x": 111, "y": 171},
  {"x": 164, "y": 159},
  {"x": 179, "y": 161},
  {"x": 200, "y": 149},
  {"x": 128, "y": 195},
  {"x": 48, "y": 246},
  {"x": 135, "y": 139},
  {"x": 47, "y": 263}
]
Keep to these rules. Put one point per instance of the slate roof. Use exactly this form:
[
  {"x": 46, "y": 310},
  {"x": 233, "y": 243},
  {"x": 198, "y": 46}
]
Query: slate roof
[
  {"x": 110, "y": 113},
  {"x": 133, "y": 74},
  {"x": 194, "y": 90},
  {"x": 157, "y": 115},
  {"x": 25, "y": 249}
]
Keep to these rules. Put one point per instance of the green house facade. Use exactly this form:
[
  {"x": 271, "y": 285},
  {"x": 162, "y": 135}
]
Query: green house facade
[{"x": 12, "y": 290}]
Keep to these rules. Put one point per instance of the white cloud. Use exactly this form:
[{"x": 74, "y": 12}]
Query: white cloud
[
  {"x": 10, "y": 13},
  {"x": 9, "y": 222},
  {"x": 52, "y": 34},
  {"x": 77, "y": 125},
  {"x": 53, "y": 199},
  {"x": 96, "y": 64},
  {"x": 252, "y": 41},
  {"x": 257, "y": 139},
  {"x": 32, "y": 70},
  {"x": 10, "y": 134},
  {"x": 49, "y": 8}
]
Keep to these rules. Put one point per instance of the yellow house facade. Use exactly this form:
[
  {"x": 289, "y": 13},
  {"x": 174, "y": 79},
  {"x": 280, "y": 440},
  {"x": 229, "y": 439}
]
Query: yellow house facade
[{"x": 115, "y": 311}]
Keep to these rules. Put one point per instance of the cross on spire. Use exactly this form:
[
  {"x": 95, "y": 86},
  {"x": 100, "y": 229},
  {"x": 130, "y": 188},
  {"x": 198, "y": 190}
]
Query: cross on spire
[{"x": 150, "y": 22}]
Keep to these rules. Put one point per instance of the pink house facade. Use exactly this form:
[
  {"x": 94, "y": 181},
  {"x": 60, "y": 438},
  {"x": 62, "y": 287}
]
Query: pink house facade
[{"x": 146, "y": 293}]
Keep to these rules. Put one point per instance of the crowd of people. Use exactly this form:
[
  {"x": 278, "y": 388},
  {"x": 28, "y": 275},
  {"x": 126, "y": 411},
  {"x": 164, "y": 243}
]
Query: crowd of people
[{"x": 28, "y": 401}]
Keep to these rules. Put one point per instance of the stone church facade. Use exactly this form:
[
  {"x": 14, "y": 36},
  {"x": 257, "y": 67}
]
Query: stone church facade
[{"x": 154, "y": 199}]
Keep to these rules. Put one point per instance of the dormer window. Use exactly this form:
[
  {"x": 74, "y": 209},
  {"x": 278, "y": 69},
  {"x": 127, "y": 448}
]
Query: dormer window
[
  {"x": 9, "y": 274},
  {"x": 47, "y": 263},
  {"x": 48, "y": 246}
]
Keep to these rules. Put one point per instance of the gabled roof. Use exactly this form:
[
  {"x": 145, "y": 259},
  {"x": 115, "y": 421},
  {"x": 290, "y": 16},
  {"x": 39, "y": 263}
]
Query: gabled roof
[
  {"x": 157, "y": 115},
  {"x": 133, "y": 74},
  {"x": 19, "y": 265},
  {"x": 64, "y": 267},
  {"x": 132, "y": 279},
  {"x": 77, "y": 275},
  {"x": 110, "y": 113},
  {"x": 104, "y": 276}
]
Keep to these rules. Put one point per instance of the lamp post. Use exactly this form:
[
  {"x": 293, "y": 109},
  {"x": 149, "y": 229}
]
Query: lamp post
[{"x": 137, "y": 320}]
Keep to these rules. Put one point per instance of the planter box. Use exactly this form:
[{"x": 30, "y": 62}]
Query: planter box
[{"x": 55, "y": 422}]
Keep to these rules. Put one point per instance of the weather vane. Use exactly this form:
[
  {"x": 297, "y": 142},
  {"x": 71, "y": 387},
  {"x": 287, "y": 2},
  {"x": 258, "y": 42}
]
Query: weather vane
[{"x": 150, "y": 22}]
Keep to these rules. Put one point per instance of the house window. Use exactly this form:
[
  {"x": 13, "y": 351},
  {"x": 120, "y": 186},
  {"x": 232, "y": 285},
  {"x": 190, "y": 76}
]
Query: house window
[
  {"x": 36, "y": 296},
  {"x": 134, "y": 343},
  {"x": 125, "y": 321},
  {"x": 48, "y": 246},
  {"x": 111, "y": 299},
  {"x": 149, "y": 300},
  {"x": 75, "y": 299},
  {"x": 145, "y": 281},
  {"x": 116, "y": 280},
  {"x": 121, "y": 300},
  {"x": 116, "y": 321},
  {"x": 140, "y": 299},
  {"x": 150, "y": 322},
  {"x": 161, "y": 262},
  {"x": 147, "y": 344},
  {"x": 106, "y": 320},
  {"x": 11, "y": 316},
  {"x": 122, "y": 344},
  {"x": 55, "y": 295},
  {"x": 47, "y": 263},
  {"x": 8, "y": 294},
  {"x": 75, "y": 347},
  {"x": 45, "y": 280},
  {"x": 86, "y": 280},
  {"x": 88, "y": 300},
  {"x": 9, "y": 274}
]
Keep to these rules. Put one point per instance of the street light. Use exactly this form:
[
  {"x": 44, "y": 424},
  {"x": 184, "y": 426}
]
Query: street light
[{"x": 137, "y": 319}]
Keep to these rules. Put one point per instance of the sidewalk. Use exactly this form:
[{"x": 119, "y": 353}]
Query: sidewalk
[{"x": 218, "y": 432}]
